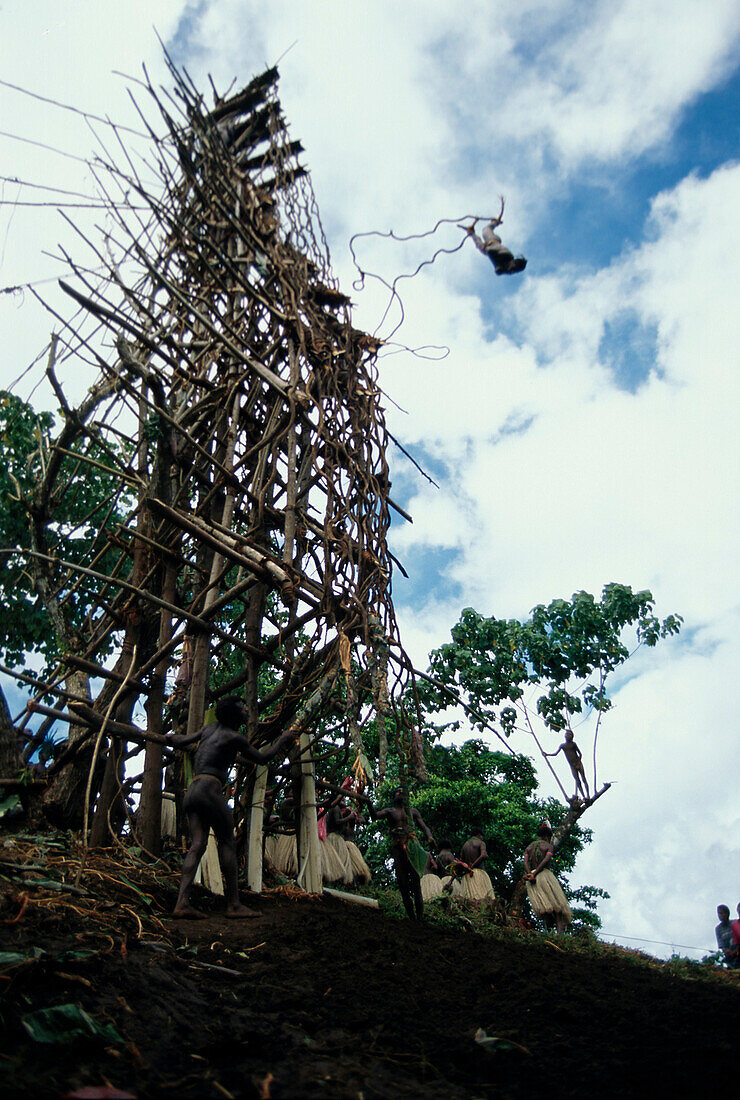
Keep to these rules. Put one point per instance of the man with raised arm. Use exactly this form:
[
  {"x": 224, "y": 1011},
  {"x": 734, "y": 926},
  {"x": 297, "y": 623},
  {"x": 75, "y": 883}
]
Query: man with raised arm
[
  {"x": 409, "y": 858},
  {"x": 504, "y": 261},
  {"x": 572, "y": 754},
  {"x": 205, "y": 803}
]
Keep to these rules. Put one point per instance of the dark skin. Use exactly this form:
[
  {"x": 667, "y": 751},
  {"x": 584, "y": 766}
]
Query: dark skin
[
  {"x": 343, "y": 819},
  {"x": 531, "y": 872},
  {"x": 572, "y": 754},
  {"x": 206, "y": 806},
  {"x": 445, "y": 858},
  {"x": 474, "y": 851},
  {"x": 408, "y": 880},
  {"x": 731, "y": 953}
]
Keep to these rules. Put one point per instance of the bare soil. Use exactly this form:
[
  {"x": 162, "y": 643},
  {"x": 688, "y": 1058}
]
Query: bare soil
[{"x": 321, "y": 998}]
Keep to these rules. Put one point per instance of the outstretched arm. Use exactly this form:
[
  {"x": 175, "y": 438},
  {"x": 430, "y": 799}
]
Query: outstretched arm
[
  {"x": 182, "y": 740},
  {"x": 248, "y": 750},
  {"x": 381, "y": 815},
  {"x": 553, "y": 753}
]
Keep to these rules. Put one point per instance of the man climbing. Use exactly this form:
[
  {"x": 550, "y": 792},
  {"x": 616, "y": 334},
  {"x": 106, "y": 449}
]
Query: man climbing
[
  {"x": 490, "y": 245},
  {"x": 572, "y": 754},
  {"x": 544, "y": 891},
  {"x": 409, "y": 858},
  {"x": 205, "y": 804}
]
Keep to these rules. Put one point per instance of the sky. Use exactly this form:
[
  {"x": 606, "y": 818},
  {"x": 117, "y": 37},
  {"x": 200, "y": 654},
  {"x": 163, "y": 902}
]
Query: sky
[{"x": 581, "y": 427}]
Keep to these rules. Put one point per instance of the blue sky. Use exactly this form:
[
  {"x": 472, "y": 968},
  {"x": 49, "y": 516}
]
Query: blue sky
[{"x": 582, "y": 427}]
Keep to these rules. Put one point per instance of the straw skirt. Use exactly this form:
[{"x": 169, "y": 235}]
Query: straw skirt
[
  {"x": 546, "y": 896},
  {"x": 360, "y": 870},
  {"x": 432, "y": 886},
  {"x": 281, "y": 850},
  {"x": 473, "y": 887},
  {"x": 336, "y": 865},
  {"x": 169, "y": 815},
  {"x": 209, "y": 869}
]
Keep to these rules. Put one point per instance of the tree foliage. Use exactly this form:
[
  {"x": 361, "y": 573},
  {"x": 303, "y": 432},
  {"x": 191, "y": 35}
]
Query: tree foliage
[
  {"x": 24, "y": 623},
  {"x": 561, "y": 656},
  {"x": 89, "y": 499}
]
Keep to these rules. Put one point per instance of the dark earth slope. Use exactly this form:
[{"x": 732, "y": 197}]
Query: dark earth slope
[{"x": 320, "y": 998}]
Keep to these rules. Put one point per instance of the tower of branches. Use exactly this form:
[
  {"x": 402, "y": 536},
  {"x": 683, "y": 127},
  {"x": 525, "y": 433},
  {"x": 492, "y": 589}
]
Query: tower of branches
[{"x": 235, "y": 422}]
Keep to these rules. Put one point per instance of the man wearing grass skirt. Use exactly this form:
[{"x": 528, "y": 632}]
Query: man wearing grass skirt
[
  {"x": 544, "y": 891},
  {"x": 471, "y": 882}
]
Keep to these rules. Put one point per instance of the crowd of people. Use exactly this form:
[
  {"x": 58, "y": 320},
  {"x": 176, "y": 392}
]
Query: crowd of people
[{"x": 421, "y": 873}]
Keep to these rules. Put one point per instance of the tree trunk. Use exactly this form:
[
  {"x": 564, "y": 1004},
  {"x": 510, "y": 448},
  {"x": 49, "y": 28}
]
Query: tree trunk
[
  {"x": 64, "y": 801},
  {"x": 149, "y": 825},
  {"x": 110, "y": 799}
]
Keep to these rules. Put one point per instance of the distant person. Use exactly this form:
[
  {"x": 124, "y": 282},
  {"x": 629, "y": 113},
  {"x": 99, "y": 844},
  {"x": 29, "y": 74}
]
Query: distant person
[
  {"x": 544, "y": 891},
  {"x": 445, "y": 856},
  {"x": 572, "y": 754},
  {"x": 727, "y": 945},
  {"x": 205, "y": 803},
  {"x": 281, "y": 848},
  {"x": 437, "y": 874},
  {"x": 735, "y": 926},
  {"x": 345, "y": 819},
  {"x": 409, "y": 858}
]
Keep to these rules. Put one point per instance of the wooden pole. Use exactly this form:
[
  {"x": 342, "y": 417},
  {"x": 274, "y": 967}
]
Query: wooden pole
[{"x": 256, "y": 820}]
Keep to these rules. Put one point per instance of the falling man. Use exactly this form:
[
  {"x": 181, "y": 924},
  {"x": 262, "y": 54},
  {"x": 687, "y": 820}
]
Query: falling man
[{"x": 504, "y": 261}]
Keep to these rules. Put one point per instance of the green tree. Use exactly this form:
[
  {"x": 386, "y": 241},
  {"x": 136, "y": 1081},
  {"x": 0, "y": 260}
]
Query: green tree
[
  {"x": 89, "y": 500},
  {"x": 533, "y": 676},
  {"x": 24, "y": 624}
]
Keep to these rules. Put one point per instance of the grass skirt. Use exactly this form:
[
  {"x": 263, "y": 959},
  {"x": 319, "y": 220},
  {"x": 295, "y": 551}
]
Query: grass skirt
[
  {"x": 360, "y": 869},
  {"x": 546, "y": 896},
  {"x": 209, "y": 869},
  {"x": 169, "y": 815},
  {"x": 432, "y": 886},
  {"x": 281, "y": 850},
  {"x": 336, "y": 865},
  {"x": 473, "y": 887}
]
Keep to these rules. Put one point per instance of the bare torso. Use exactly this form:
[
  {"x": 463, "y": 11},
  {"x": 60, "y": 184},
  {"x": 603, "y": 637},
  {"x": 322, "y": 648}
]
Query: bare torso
[
  {"x": 218, "y": 750},
  {"x": 473, "y": 851}
]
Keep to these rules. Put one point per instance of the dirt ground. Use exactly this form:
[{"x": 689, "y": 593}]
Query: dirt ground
[{"x": 320, "y": 998}]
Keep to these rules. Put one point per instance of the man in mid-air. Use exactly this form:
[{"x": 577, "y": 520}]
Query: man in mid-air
[{"x": 504, "y": 261}]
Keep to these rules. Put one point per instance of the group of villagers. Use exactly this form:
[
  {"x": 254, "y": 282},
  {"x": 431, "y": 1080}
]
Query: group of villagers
[
  {"x": 419, "y": 873},
  {"x": 342, "y": 862},
  {"x": 423, "y": 874}
]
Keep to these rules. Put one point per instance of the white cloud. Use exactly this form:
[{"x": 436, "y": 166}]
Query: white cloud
[{"x": 606, "y": 484}]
